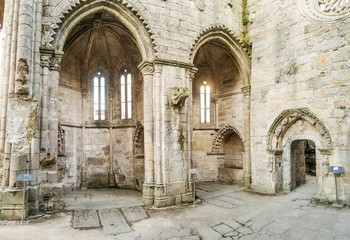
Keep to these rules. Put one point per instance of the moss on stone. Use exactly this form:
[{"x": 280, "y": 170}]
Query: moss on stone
[{"x": 31, "y": 128}]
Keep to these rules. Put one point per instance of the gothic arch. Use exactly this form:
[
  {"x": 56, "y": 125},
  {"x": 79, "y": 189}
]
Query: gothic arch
[
  {"x": 240, "y": 50},
  {"x": 221, "y": 134},
  {"x": 138, "y": 139},
  {"x": 126, "y": 14},
  {"x": 286, "y": 119}
]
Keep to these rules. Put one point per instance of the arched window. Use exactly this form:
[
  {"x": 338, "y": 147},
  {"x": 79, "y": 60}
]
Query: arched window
[
  {"x": 99, "y": 97},
  {"x": 205, "y": 102},
  {"x": 125, "y": 95}
]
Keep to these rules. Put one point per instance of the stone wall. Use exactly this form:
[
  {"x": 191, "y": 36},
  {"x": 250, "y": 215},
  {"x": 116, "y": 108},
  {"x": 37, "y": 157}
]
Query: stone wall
[{"x": 299, "y": 62}]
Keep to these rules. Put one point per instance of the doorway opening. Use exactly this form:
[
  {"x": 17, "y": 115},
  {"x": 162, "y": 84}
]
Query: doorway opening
[{"x": 303, "y": 162}]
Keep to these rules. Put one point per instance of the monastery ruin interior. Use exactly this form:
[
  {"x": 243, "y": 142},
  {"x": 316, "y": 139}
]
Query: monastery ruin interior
[{"x": 135, "y": 93}]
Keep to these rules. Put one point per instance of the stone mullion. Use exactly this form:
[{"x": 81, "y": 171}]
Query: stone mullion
[
  {"x": 24, "y": 48},
  {"x": 246, "y": 158},
  {"x": 148, "y": 187}
]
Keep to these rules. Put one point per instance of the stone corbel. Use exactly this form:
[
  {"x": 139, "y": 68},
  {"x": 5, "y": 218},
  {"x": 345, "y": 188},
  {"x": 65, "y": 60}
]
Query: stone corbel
[{"x": 177, "y": 96}]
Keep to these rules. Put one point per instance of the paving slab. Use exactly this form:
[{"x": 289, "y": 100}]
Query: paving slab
[
  {"x": 86, "y": 219},
  {"x": 232, "y": 223},
  {"x": 222, "y": 229},
  {"x": 113, "y": 222},
  {"x": 134, "y": 214}
]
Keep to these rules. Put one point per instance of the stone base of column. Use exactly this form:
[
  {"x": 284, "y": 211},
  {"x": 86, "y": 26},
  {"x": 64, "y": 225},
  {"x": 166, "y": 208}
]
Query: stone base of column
[
  {"x": 148, "y": 194},
  {"x": 247, "y": 180},
  {"x": 163, "y": 200},
  {"x": 12, "y": 204}
]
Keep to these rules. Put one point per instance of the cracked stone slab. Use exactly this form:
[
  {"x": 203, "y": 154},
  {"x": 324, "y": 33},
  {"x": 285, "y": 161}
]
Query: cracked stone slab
[
  {"x": 113, "y": 222},
  {"x": 86, "y": 219},
  {"x": 134, "y": 214},
  {"x": 232, "y": 223},
  {"x": 222, "y": 229}
]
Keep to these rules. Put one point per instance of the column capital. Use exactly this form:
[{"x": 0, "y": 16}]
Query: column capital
[{"x": 146, "y": 68}]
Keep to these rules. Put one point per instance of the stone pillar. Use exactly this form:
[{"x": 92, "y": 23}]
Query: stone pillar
[
  {"x": 147, "y": 70},
  {"x": 9, "y": 63},
  {"x": 55, "y": 68},
  {"x": 45, "y": 64},
  {"x": 172, "y": 138},
  {"x": 6, "y": 165},
  {"x": 247, "y": 163}
]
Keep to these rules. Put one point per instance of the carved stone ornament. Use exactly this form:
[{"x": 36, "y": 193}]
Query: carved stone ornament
[
  {"x": 138, "y": 139},
  {"x": 177, "y": 96},
  {"x": 220, "y": 136},
  {"x": 61, "y": 140},
  {"x": 56, "y": 64},
  {"x": 22, "y": 77},
  {"x": 289, "y": 117},
  {"x": 325, "y": 10}
]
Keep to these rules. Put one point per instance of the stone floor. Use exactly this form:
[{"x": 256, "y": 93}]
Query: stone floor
[{"x": 224, "y": 212}]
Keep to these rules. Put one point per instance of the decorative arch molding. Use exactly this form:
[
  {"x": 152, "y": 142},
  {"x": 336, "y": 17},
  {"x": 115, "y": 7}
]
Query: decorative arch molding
[
  {"x": 238, "y": 48},
  {"x": 221, "y": 134},
  {"x": 286, "y": 119},
  {"x": 138, "y": 139},
  {"x": 325, "y": 10},
  {"x": 128, "y": 15}
]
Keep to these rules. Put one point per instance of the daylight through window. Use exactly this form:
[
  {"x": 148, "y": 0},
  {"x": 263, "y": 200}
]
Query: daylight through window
[
  {"x": 125, "y": 95},
  {"x": 99, "y": 97},
  {"x": 205, "y": 103}
]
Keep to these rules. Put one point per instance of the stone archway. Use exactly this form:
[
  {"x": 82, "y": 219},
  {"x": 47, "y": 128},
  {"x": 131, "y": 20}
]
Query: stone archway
[
  {"x": 290, "y": 126},
  {"x": 229, "y": 143},
  {"x": 223, "y": 64},
  {"x": 104, "y": 150},
  {"x": 221, "y": 134},
  {"x": 127, "y": 16}
]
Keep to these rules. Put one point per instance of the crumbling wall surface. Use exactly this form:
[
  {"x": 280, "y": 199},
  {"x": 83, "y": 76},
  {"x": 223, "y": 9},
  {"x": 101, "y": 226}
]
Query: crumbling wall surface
[
  {"x": 299, "y": 61},
  {"x": 123, "y": 158}
]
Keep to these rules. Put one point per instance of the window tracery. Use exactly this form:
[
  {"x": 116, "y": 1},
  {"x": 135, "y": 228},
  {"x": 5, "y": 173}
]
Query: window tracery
[
  {"x": 125, "y": 95},
  {"x": 205, "y": 102},
  {"x": 99, "y": 90}
]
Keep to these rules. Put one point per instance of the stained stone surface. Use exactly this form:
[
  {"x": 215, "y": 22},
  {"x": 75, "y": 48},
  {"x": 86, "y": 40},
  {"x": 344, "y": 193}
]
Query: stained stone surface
[
  {"x": 113, "y": 222},
  {"x": 86, "y": 219},
  {"x": 134, "y": 214}
]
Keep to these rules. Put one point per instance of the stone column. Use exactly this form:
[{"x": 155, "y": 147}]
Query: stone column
[
  {"x": 147, "y": 70},
  {"x": 45, "y": 64},
  {"x": 247, "y": 163},
  {"x": 24, "y": 48},
  {"x": 55, "y": 68},
  {"x": 9, "y": 64}
]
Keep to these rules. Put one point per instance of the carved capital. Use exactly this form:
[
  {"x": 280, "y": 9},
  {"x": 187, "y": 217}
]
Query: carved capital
[
  {"x": 45, "y": 61},
  {"x": 146, "y": 68},
  {"x": 56, "y": 64}
]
